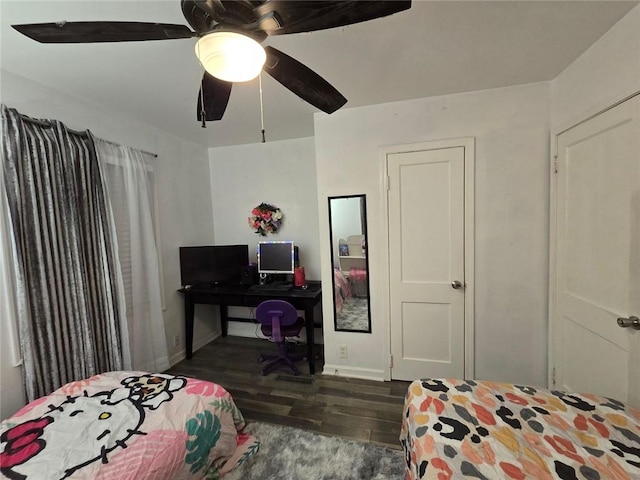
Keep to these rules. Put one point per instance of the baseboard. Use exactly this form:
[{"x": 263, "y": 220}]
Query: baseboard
[
  {"x": 235, "y": 329},
  {"x": 244, "y": 329},
  {"x": 353, "y": 372},
  {"x": 198, "y": 342}
]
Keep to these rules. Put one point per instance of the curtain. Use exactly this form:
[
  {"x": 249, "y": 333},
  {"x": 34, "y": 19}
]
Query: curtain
[
  {"x": 129, "y": 182},
  {"x": 69, "y": 299}
]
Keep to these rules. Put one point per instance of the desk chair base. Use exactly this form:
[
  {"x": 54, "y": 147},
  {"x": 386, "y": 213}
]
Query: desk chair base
[{"x": 286, "y": 359}]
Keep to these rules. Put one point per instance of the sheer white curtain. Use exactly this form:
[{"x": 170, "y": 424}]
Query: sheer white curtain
[
  {"x": 11, "y": 399},
  {"x": 129, "y": 181}
]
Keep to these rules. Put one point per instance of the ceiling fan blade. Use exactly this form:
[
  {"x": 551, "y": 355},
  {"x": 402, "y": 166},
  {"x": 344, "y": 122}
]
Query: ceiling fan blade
[
  {"x": 215, "y": 93},
  {"x": 303, "y": 81},
  {"x": 277, "y": 17},
  {"x": 96, "y": 32}
]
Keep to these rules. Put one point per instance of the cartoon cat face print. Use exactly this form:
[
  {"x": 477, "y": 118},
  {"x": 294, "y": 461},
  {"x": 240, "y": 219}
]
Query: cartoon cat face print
[
  {"x": 81, "y": 429},
  {"x": 153, "y": 389}
]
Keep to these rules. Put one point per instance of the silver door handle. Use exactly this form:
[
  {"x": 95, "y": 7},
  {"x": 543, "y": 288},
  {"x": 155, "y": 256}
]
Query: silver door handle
[
  {"x": 632, "y": 322},
  {"x": 456, "y": 284}
]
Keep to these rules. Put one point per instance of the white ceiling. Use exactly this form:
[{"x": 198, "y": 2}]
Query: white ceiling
[{"x": 434, "y": 48}]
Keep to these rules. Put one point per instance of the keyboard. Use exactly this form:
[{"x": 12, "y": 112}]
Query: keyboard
[{"x": 271, "y": 288}]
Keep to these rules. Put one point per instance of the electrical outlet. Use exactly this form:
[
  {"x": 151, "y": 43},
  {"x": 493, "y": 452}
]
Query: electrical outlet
[
  {"x": 176, "y": 340},
  {"x": 342, "y": 351}
]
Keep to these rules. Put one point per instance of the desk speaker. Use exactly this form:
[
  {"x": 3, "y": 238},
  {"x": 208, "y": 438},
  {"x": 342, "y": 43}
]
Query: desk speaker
[{"x": 249, "y": 275}]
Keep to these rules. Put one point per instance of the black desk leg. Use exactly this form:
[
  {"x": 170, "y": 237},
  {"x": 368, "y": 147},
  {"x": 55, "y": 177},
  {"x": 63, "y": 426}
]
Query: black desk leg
[
  {"x": 188, "y": 323},
  {"x": 308, "y": 321},
  {"x": 224, "y": 319}
]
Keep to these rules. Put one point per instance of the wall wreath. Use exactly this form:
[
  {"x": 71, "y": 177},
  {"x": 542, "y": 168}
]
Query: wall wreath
[{"x": 265, "y": 218}]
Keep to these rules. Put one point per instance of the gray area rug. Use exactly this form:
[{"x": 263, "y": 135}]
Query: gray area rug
[
  {"x": 288, "y": 453},
  {"x": 354, "y": 314}
]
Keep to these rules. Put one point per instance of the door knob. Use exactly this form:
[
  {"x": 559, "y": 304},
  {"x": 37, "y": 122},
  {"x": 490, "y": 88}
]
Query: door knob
[
  {"x": 456, "y": 284},
  {"x": 632, "y": 322}
]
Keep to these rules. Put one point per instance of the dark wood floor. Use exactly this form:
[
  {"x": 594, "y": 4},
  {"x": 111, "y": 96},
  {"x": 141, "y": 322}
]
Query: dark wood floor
[{"x": 362, "y": 410}]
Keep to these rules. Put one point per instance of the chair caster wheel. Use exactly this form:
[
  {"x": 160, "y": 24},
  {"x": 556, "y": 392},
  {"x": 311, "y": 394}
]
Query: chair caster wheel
[{"x": 261, "y": 359}]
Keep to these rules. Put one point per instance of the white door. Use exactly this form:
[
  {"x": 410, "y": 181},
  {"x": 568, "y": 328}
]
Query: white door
[
  {"x": 597, "y": 262},
  {"x": 426, "y": 211}
]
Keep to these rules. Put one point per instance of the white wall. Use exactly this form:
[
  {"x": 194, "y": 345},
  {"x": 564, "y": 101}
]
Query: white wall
[
  {"x": 511, "y": 195},
  {"x": 511, "y": 127},
  {"x": 606, "y": 73},
  {"x": 184, "y": 198},
  {"x": 282, "y": 173}
]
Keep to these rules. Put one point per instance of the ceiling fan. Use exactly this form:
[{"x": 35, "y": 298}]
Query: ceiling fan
[{"x": 229, "y": 32}]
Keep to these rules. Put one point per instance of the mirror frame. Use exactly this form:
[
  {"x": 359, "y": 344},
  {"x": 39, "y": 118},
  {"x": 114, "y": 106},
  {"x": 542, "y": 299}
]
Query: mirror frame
[{"x": 363, "y": 223}]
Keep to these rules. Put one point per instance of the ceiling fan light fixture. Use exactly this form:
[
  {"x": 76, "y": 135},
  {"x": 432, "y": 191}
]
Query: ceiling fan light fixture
[{"x": 230, "y": 56}]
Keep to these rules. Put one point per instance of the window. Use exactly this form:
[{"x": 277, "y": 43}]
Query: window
[{"x": 116, "y": 183}]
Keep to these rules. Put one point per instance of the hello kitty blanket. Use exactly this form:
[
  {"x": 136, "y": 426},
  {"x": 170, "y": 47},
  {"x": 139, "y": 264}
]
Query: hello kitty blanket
[{"x": 126, "y": 425}]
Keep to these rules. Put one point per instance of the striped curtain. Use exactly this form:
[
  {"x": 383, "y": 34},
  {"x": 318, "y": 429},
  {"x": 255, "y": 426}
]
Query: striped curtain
[{"x": 69, "y": 300}]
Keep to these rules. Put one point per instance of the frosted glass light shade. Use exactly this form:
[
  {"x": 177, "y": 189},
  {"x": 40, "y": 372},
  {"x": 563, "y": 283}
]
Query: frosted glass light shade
[{"x": 230, "y": 56}]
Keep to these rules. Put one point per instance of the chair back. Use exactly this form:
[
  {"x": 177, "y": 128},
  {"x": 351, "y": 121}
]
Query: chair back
[{"x": 277, "y": 314}]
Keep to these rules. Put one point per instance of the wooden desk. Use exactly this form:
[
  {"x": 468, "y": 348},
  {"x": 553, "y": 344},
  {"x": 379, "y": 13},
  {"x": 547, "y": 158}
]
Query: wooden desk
[{"x": 243, "y": 296}]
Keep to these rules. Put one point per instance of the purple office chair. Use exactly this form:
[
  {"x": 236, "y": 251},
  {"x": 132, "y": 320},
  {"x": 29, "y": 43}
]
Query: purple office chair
[{"x": 279, "y": 320}]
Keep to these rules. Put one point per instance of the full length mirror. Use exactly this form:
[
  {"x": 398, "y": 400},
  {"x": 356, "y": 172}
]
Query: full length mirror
[{"x": 348, "y": 231}]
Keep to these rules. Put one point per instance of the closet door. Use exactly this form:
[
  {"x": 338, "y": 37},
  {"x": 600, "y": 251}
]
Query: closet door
[{"x": 597, "y": 264}]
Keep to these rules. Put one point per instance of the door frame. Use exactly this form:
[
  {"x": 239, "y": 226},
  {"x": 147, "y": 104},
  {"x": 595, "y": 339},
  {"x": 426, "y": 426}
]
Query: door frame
[
  {"x": 553, "y": 231},
  {"x": 468, "y": 143}
]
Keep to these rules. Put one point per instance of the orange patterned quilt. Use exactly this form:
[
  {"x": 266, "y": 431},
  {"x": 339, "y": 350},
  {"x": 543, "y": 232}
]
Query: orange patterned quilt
[{"x": 453, "y": 429}]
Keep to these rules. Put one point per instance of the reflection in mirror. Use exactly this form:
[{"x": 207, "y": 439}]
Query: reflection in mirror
[{"x": 348, "y": 231}]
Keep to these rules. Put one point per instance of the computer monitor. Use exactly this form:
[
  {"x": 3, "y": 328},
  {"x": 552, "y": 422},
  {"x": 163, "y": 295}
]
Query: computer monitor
[
  {"x": 213, "y": 264},
  {"x": 276, "y": 257}
]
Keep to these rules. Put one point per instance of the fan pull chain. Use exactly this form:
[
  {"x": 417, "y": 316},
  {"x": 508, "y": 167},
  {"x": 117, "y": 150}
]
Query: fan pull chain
[
  {"x": 203, "y": 113},
  {"x": 261, "y": 107}
]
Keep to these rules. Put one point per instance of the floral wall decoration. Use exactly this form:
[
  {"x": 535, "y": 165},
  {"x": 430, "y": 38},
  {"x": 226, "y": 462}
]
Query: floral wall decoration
[{"x": 265, "y": 218}]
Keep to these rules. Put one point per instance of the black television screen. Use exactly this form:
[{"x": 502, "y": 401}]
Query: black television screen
[
  {"x": 276, "y": 257},
  {"x": 214, "y": 264}
]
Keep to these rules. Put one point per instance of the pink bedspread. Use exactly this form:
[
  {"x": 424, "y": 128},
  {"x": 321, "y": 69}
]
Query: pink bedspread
[{"x": 126, "y": 425}]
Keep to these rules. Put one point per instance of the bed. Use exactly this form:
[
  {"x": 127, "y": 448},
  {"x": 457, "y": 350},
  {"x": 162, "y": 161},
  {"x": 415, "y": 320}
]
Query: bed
[
  {"x": 358, "y": 282},
  {"x": 453, "y": 429},
  {"x": 342, "y": 291},
  {"x": 126, "y": 425}
]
